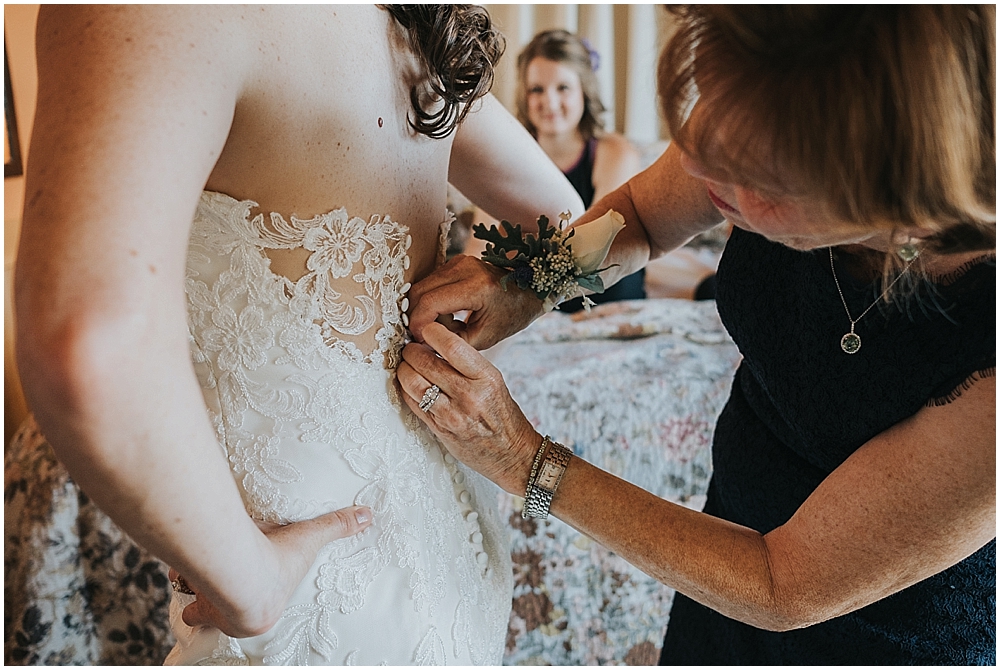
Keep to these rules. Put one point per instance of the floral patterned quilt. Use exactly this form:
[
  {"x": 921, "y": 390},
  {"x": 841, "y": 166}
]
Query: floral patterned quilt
[
  {"x": 633, "y": 387},
  {"x": 77, "y": 590}
]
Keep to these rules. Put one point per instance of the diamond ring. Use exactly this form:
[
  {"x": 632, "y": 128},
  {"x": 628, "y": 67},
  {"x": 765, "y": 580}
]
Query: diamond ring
[{"x": 430, "y": 397}]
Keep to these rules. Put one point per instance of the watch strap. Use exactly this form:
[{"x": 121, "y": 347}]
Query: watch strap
[{"x": 538, "y": 499}]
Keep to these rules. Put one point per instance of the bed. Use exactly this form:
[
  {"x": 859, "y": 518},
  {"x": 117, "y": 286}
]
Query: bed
[{"x": 634, "y": 387}]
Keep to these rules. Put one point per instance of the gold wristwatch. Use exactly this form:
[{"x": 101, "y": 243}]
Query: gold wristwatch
[{"x": 546, "y": 473}]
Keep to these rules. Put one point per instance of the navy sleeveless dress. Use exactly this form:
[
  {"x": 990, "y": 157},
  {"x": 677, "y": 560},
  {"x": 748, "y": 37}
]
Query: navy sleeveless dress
[
  {"x": 800, "y": 407},
  {"x": 632, "y": 287}
]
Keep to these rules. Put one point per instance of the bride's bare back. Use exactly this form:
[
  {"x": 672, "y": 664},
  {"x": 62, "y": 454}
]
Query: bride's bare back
[{"x": 322, "y": 123}]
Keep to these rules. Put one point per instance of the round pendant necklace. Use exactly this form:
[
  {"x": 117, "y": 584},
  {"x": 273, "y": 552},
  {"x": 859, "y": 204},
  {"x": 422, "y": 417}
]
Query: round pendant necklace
[{"x": 851, "y": 342}]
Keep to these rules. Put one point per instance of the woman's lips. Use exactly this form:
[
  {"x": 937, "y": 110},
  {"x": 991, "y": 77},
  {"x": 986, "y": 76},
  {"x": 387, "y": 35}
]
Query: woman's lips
[{"x": 721, "y": 204}]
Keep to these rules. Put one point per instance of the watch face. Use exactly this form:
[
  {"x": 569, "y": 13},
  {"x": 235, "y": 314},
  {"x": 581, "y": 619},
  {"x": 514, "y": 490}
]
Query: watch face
[{"x": 549, "y": 476}]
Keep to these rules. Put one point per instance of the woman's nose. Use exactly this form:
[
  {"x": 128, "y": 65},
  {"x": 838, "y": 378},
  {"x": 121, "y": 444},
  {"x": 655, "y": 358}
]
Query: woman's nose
[{"x": 552, "y": 98}]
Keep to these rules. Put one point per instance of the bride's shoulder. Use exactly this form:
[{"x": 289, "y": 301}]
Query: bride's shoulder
[
  {"x": 298, "y": 27},
  {"x": 122, "y": 42},
  {"x": 194, "y": 28},
  {"x": 238, "y": 48},
  {"x": 142, "y": 24}
]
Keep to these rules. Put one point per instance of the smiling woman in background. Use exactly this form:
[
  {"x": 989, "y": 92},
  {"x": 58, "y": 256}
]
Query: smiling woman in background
[{"x": 559, "y": 103}]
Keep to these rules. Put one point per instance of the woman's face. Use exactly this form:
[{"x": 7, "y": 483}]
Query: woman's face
[
  {"x": 554, "y": 96},
  {"x": 799, "y": 222}
]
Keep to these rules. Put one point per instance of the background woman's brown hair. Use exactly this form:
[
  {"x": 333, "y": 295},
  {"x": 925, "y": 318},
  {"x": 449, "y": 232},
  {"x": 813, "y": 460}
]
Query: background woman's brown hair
[
  {"x": 562, "y": 47},
  {"x": 885, "y": 113},
  {"x": 457, "y": 47}
]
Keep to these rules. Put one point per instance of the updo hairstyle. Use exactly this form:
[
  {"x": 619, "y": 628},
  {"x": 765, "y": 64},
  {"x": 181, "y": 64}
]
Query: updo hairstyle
[
  {"x": 884, "y": 113},
  {"x": 564, "y": 47},
  {"x": 457, "y": 47}
]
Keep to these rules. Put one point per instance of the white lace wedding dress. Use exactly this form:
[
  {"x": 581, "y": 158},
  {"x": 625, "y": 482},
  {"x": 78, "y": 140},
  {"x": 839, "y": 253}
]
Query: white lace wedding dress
[{"x": 298, "y": 378}]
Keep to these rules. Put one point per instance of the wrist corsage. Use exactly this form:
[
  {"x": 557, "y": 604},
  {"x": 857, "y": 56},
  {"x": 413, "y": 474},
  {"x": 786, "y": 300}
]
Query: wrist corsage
[{"x": 558, "y": 263}]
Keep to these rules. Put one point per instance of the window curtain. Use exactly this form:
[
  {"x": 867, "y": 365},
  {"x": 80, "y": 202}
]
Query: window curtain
[{"x": 628, "y": 39}]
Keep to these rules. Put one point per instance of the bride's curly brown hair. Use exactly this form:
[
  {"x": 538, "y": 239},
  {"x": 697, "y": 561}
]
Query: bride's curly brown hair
[{"x": 457, "y": 46}]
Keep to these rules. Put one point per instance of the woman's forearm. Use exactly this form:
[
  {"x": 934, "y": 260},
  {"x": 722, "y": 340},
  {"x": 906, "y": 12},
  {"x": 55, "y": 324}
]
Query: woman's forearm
[
  {"x": 631, "y": 248},
  {"x": 679, "y": 211},
  {"x": 913, "y": 501},
  {"x": 722, "y": 565}
]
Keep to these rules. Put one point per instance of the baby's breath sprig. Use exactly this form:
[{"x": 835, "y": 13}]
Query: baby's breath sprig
[{"x": 543, "y": 263}]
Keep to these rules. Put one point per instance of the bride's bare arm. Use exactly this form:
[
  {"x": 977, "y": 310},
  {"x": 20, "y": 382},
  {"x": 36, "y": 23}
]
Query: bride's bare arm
[
  {"x": 499, "y": 166},
  {"x": 134, "y": 107}
]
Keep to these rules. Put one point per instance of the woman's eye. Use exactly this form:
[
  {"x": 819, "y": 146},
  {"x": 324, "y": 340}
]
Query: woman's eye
[{"x": 535, "y": 89}]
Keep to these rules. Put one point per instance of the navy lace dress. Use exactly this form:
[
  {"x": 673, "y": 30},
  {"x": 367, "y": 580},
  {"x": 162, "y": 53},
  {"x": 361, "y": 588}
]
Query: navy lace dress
[{"x": 800, "y": 407}]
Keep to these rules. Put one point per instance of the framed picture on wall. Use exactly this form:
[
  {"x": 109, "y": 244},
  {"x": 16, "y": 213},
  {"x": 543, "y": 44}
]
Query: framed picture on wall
[{"x": 11, "y": 144}]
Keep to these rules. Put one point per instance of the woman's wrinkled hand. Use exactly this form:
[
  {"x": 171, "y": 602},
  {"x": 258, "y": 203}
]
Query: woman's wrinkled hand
[
  {"x": 474, "y": 416},
  {"x": 468, "y": 284},
  {"x": 293, "y": 549}
]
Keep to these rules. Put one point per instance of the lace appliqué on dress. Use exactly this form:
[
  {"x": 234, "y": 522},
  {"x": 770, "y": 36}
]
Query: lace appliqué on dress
[
  {"x": 337, "y": 242},
  {"x": 231, "y": 322},
  {"x": 282, "y": 366}
]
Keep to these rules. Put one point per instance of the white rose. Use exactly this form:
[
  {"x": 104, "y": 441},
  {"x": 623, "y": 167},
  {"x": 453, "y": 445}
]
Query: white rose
[{"x": 591, "y": 240}]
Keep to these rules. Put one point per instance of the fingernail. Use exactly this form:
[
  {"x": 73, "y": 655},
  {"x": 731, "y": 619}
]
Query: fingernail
[{"x": 363, "y": 515}]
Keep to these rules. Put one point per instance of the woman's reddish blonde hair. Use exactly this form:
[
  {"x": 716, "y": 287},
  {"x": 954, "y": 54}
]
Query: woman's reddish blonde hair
[{"x": 885, "y": 113}]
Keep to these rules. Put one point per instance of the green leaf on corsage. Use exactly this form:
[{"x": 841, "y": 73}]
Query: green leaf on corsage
[{"x": 543, "y": 263}]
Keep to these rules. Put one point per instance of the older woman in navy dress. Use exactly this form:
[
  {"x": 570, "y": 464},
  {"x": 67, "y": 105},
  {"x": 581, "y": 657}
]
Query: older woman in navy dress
[{"x": 851, "y": 516}]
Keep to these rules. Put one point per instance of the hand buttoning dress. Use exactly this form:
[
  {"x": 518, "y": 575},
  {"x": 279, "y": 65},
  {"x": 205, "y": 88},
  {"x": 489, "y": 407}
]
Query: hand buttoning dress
[{"x": 298, "y": 378}]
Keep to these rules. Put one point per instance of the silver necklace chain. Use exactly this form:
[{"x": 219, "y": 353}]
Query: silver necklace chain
[{"x": 851, "y": 342}]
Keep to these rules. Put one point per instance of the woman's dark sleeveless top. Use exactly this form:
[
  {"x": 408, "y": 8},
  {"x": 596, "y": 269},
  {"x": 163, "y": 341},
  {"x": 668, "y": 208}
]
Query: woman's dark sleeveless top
[
  {"x": 632, "y": 287},
  {"x": 800, "y": 406},
  {"x": 581, "y": 174}
]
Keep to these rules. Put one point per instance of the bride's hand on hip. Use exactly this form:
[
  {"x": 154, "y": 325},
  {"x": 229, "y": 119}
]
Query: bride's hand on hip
[
  {"x": 294, "y": 548},
  {"x": 473, "y": 415},
  {"x": 468, "y": 284}
]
